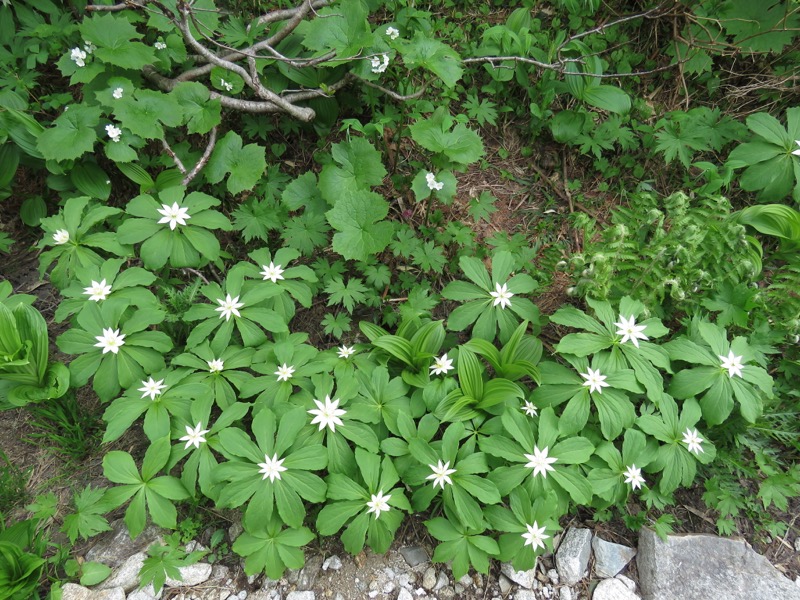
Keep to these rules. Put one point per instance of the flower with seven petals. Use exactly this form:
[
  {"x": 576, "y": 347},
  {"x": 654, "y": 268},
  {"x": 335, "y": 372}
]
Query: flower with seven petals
[
  {"x": 111, "y": 340},
  {"x": 61, "y": 236},
  {"x": 174, "y": 215},
  {"x": 152, "y": 388},
  {"x": 284, "y": 372},
  {"x": 327, "y": 414},
  {"x": 633, "y": 476},
  {"x": 441, "y": 474},
  {"x": 535, "y": 536},
  {"x": 345, "y": 352},
  {"x": 629, "y": 330},
  {"x": 272, "y": 467},
  {"x": 540, "y": 462},
  {"x": 97, "y": 291},
  {"x": 433, "y": 185},
  {"x": 594, "y": 381},
  {"x": 216, "y": 365},
  {"x": 272, "y": 272},
  {"x": 501, "y": 296},
  {"x": 530, "y": 409},
  {"x": 194, "y": 437},
  {"x": 379, "y": 503},
  {"x": 693, "y": 441},
  {"x": 442, "y": 365},
  {"x": 732, "y": 363},
  {"x": 229, "y": 306}
]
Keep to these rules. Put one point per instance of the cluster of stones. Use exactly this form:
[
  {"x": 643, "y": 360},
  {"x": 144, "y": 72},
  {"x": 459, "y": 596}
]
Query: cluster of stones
[{"x": 584, "y": 567}]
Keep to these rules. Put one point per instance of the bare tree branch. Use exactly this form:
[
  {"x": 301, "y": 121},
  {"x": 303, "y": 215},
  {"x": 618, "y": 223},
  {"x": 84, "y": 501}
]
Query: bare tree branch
[
  {"x": 174, "y": 156},
  {"x": 212, "y": 141}
]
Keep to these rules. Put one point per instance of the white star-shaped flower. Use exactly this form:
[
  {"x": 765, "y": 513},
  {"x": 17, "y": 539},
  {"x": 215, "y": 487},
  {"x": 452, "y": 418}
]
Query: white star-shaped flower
[
  {"x": 633, "y": 476},
  {"x": 327, "y": 414},
  {"x": 345, "y": 351},
  {"x": 78, "y": 56},
  {"x": 152, "y": 388},
  {"x": 501, "y": 296},
  {"x": 216, "y": 365},
  {"x": 97, "y": 291},
  {"x": 272, "y": 272},
  {"x": 629, "y": 330},
  {"x": 693, "y": 441},
  {"x": 535, "y": 536},
  {"x": 113, "y": 132},
  {"x": 530, "y": 409},
  {"x": 732, "y": 363},
  {"x": 393, "y": 33},
  {"x": 111, "y": 340},
  {"x": 540, "y": 462},
  {"x": 433, "y": 185},
  {"x": 594, "y": 381},
  {"x": 379, "y": 503},
  {"x": 284, "y": 372},
  {"x": 61, "y": 236},
  {"x": 442, "y": 365},
  {"x": 379, "y": 63},
  {"x": 117, "y": 93},
  {"x": 229, "y": 306},
  {"x": 441, "y": 474},
  {"x": 796, "y": 152},
  {"x": 272, "y": 467},
  {"x": 174, "y": 215},
  {"x": 194, "y": 437}
]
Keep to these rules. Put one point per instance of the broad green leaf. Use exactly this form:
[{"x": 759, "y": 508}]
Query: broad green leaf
[
  {"x": 358, "y": 218},
  {"x": 72, "y": 135},
  {"x": 244, "y": 164}
]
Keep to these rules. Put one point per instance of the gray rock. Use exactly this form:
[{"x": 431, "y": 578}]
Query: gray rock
[
  {"x": 688, "y": 567},
  {"x": 526, "y": 579},
  {"x": 242, "y": 595},
  {"x": 610, "y": 558},
  {"x": 404, "y": 595},
  {"x": 552, "y": 575},
  {"x": 505, "y": 584},
  {"x": 572, "y": 556},
  {"x": 147, "y": 593},
  {"x": 565, "y": 593},
  {"x": 446, "y": 593},
  {"x": 614, "y": 589},
  {"x": 304, "y": 595},
  {"x": 72, "y": 591},
  {"x": 125, "y": 575},
  {"x": 191, "y": 575},
  {"x": 630, "y": 583},
  {"x": 234, "y": 531},
  {"x": 525, "y": 595},
  {"x": 414, "y": 555},
  {"x": 114, "y": 547},
  {"x": 429, "y": 578},
  {"x": 309, "y": 573},
  {"x": 334, "y": 563},
  {"x": 441, "y": 581}
]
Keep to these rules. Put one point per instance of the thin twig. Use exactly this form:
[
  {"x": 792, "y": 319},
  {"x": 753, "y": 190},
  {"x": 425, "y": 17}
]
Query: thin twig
[
  {"x": 174, "y": 156},
  {"x": 392, "y": 94},
  {"x": 212, "y": 140}
]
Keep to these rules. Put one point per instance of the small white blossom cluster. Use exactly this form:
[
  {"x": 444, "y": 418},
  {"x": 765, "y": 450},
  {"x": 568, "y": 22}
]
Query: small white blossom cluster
[
  {"x": 380, "y": 63},
  {"x": 393, "y": 33},
  {"x": 113, "y": 132},
  {"x": 227, "y": 85},
  {"x": 117, "y": 93},
  {"x": 78, "y": 55},
  {"x": 160, "y": 45},
  {"x": 430, "y": 179}
]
